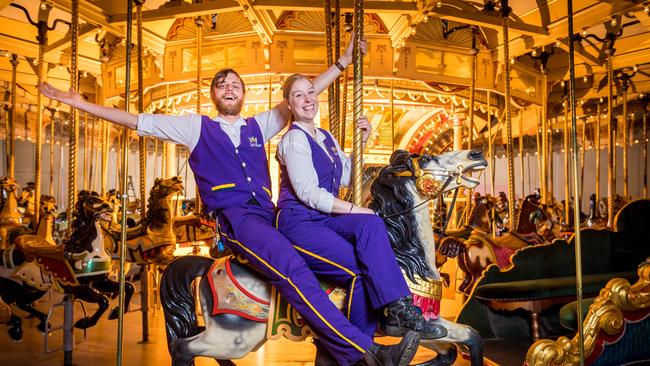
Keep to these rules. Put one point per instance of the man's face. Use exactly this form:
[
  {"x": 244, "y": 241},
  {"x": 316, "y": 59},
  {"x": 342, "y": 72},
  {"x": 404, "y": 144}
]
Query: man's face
[{"x": 229, "y": 95}]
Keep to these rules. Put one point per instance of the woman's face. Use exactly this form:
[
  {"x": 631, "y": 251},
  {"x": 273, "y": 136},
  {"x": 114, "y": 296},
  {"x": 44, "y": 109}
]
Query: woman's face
[{"x": 303, "y": 100}]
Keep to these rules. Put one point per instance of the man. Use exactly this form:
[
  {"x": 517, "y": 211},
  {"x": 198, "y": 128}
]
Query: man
[{"x": 231, "y": 171}]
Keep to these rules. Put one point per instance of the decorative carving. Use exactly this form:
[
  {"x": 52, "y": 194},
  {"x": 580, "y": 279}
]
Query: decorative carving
[
  {"x": 256, "y": 46},
  {"x": 434, "y": 31},
  {"x": 606, "y": 318},
  {"x": 381, "y": 50},
  {"x": 406, "y": 51},
  {"x": 282, "y": 45},
  {"x": 225, "y": 23},
  {"x": 315, "y": 22}
]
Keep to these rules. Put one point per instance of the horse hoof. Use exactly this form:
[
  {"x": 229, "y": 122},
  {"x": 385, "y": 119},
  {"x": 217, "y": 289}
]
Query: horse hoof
[
  {"x": 16, "y": 334},
  {"x": 115, "y": 313},
  {"x": 83, "y": 323}
]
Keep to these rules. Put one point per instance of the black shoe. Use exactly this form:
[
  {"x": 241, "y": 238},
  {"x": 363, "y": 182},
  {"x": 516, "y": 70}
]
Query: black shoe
[
  {"x": 401, "y": 316},
  {"x": 323, "y": 357},
  {"x": 399, "y": 354}
]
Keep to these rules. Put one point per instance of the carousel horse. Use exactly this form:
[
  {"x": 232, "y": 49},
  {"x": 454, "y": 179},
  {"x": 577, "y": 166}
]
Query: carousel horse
[
  {"x": 79, "y": 267},
  {"x": 239, "y": 325},
  {"x": 153, "y": 239},
  {"x": 23, "y": 287},
  {"x": 9, "y": 216},
  {"x": 480, "y": 250},
  {"x": 26, "y": 202}
]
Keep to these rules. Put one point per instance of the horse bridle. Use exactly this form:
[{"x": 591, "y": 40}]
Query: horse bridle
[{"x": 426, "y": 184}]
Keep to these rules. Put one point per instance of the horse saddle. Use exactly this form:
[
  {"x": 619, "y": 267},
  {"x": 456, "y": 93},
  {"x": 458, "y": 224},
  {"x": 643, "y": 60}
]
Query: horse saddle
[
  {"x": 193, "y": 228},
  {"x": 50, "y": 258}
]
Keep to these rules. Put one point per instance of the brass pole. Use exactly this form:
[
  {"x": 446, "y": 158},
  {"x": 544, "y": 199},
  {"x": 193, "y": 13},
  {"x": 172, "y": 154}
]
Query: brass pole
[
  {"x": 41, "y": 76},
  {"x": 199, "y": 82},
  {"x": 626, "y": 137},
  {"x": 85, "y": 155},
  {"x": 645, "y": 154},
  {"x": 358, "y": 103},
  {"x": 566, "y": 165},
  {"x": 104, "y": 136},
  {"x": 125, "y": 173},
  {"x": 544, "y": 136},
  {"x": 74, "y": 114},
  {"x": 583, "y": 147},
  {"x": 509, "y": 150},
  {"x": 336, "y": 121},
  {"x": 392, "y": 117},
  {"x": 492, "y": 159},
  {"x": 51, "y": 191},
  {"x": 611, "y": 140},
  {"x": 11, "y": 136},
  {"x": 597, "y": 137},
  {"x": 551, "y": 192},
  {"x": 539, "y": 148},
  {"x": 331, "y": 97},
  {"x": 521, "y": 150},
  {"x": 576, "y": 211},
  {"x": 142, "y": 141}
]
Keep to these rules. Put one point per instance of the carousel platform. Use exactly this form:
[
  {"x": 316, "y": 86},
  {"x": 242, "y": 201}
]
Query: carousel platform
[{"x": 99, "y": 348}]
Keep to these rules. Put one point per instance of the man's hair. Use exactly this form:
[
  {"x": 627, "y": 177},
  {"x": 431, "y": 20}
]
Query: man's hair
[
  {"x": 288, "y": 84},
  {"x": 219, "y": 77}
]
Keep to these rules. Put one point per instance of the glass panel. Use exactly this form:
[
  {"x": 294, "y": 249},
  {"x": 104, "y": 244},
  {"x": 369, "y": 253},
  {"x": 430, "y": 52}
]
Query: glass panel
[{"x": 442, "y": 63}]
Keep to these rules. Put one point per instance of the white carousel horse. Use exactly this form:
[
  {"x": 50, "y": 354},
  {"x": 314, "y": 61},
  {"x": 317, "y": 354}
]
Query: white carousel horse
[{"x": 401, "y": 190}]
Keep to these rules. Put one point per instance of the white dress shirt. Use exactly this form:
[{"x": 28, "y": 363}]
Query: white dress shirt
[
  {"x": 186, "y": 130},
  {"x": 294, "y": 152}
]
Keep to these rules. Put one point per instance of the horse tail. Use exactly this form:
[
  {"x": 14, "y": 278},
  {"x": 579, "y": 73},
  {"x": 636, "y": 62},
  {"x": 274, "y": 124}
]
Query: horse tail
[{"x": 177, "y": 297}]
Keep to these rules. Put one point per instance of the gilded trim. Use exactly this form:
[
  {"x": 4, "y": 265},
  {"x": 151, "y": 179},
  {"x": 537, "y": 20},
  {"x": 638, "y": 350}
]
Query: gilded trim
[
  {"x": 606, "y": 317},
  {"x": 222, "y": 186}
]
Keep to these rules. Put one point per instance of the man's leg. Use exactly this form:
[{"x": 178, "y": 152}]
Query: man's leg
[{"x": 248, "y": 232}]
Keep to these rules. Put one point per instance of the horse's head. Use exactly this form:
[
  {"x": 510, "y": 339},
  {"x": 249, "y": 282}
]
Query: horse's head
[
  {"x": 165, "y": 188},
  {"x": 26, "y": 197},
  {"x": 8, "y": 184},
  {"x": 47, "y": 206},
  {"x": 90, "y": 206}
]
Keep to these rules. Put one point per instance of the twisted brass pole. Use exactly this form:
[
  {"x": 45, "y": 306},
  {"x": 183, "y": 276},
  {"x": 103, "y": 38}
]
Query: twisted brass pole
[
  {"x": 566, "y": 165},
  {"x": 51, "y": 191},
  {"x": 331, "y": 97},
  {"x": 142, "y": 141},
  {"x": 551, "y": 191},
  {"x": 492, "y": 159},
  {"x": 509, "y": 149},
  {"x": 544, "y": 136},
  {"x": 611, "y": 148},
  {"x": 597, "y": 138},
  {"x": 199, "y": 82},
  {"x": 625, "y": 140},
  {"x": 576, "y": 194},
  {"x": 582, "y": 158},
  {"x": 104, "y": 136},
  {"x": 392, "y": 117},
  {"x": 336, "y": 113},
  {"x": 472, "y": 92},
  {"x": 11, "y": 136},
  {"x": 358, "y": 103},
  {"x": 521, "y": 150},
  {"x": 539, "y": 153},
  {"x": 74, "y": 114},
  {"x": 86, "y": 163},
  {"x": 645, "y": 154},
  {"x": 42, "y": 42}
]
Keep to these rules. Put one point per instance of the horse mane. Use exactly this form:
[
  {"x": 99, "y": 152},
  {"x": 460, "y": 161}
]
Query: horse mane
[
  {"x": 156, "y": 216},
  {"x": 83, "y": 225},
  {"x": 390, "y": 195}
]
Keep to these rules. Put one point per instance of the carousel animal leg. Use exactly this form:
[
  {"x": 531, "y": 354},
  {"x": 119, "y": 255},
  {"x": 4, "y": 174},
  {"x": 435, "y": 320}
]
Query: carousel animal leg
[
  {"x": 463, "y": 335},
  {"x": 107, "y": 286},
  {"x": 468, "y": 281},
  {"x": 11, "y": 291},
  {"x": 446, "y": 353},
  {"x": 87, "y": 294},
  {"x": 15, "y": 328},
  {"x": 25, "y": 301}
]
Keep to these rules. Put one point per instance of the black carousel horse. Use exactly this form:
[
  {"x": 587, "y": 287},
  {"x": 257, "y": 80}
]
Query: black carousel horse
[{"x": 400, "y": 189}]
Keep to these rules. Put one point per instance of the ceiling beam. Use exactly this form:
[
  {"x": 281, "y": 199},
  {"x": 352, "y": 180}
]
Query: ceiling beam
[
  {"x": 581, "y": 54},
  {"x": 93, "y": 14},
  {"x": 260, "y": 19},
  {"x": 396, "y": 7},
  {"x": 64, "y": 43},
  {"x": 183, "y": 10}
]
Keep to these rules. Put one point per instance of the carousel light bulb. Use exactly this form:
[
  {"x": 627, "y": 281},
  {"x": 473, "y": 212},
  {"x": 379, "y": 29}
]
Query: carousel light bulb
[
  {"x": 646, "y": 9},
  {"x": 533, "y": 53},
  {"x": 512, "y": 60},
  {"x": 562, "y": 83},
  {"x": 584, "y": 32},
  {"x": 43, "y": 5},
  {"x": 641, "y": 96},
  {"x": 585, "y": 78},
  {"x": 635, "y": 68},
  {"x": 558, "y": 43},
  {"x": 60, "y": 67},
  {"x": 35, "y": 62},
  {"x": 438, "y": 4},
  {"x": 614, "y": 22},
  {"x": 413, "y": 30},
  {"x": 601, "y": 100}
]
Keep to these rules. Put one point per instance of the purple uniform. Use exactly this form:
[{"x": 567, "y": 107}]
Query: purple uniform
[
  {"x": 234, "y": 183},
  {"x": 352, "y": 251}
]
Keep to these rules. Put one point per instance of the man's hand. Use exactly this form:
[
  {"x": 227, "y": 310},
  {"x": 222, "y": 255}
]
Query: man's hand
[{"x": 70, "y": 97}]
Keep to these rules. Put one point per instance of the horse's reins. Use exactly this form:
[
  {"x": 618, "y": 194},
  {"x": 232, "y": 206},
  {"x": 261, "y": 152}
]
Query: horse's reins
[{"x": 418, "y": 173}]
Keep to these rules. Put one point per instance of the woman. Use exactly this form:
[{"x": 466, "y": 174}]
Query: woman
[{"x": 342, "y": 242}]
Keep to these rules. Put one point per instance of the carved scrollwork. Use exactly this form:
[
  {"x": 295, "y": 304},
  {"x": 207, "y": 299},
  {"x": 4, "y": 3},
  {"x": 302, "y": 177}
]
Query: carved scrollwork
[{"x": 606, "y": 314}]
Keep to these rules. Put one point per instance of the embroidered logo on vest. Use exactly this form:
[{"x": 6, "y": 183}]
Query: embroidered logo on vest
[{"x": 253, "y": 141}]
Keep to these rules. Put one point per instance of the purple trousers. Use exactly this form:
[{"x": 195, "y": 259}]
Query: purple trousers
[
  {"x": 352, "y": 251},
  {"x": 248, "y": 231}
]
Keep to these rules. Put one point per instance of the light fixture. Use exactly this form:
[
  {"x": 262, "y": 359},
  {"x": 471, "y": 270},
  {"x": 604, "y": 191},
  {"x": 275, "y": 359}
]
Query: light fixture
[
  {"x": 558, "y": 43},
  {"x": 614, "y": 22},
  {"x": 635, "y": 68},
  {"x": 439, "y": 4},
  {"x": 584, "y": 32},
  {"x": 43, "y": 5},
  {"x": 562, "y": 83},
  {"x": 512, "y": 60},
  {"x": 646, "y": 9},
  {"x": 601, "y": 100},
  {"x": 585, "y": 78},
  {"x": 534, "y": 53}
]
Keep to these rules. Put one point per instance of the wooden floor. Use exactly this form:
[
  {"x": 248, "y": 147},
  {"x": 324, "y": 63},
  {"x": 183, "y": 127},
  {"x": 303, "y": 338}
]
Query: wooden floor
[{"x": 100, "y": 347}]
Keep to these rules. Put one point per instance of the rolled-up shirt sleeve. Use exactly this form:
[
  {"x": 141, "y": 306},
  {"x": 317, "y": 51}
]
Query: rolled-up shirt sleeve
[
  {"x": 295, "y": 153},
  {"x": 184, "y": 130},
  {"x": 347, "y": 164}
]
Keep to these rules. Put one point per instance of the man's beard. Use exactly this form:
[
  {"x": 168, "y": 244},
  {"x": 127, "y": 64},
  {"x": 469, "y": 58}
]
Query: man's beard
[{"x": 229, "y": 110}]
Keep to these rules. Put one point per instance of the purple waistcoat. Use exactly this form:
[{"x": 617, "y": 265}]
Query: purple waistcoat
[
  {"x": 227, "y": 176},
  {"x": 329, "y": 173}
]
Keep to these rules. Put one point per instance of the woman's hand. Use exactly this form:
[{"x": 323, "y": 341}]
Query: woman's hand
[
  {"x": 347, "y": 57},
  {"x": 366, "y": 128},
  {"x": 70, "y": 97}
]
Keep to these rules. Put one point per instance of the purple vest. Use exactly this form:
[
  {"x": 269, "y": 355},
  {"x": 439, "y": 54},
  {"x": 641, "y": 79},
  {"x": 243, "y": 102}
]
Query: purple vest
[
  {"x": 227, "y": 176},
  {"x": 329, "y": 172}
]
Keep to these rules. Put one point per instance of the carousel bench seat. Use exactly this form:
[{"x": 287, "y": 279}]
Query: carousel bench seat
[
  {"x": 510, "y": 302},
  {"x": 569, "y": 313}
]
